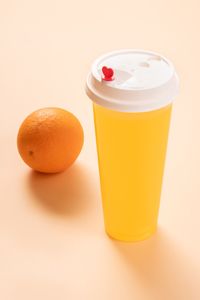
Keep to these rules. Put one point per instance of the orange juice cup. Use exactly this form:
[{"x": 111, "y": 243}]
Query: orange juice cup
[{"x": 132, "y": 93}]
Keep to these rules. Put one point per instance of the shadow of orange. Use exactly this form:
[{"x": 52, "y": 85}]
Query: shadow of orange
[
  {"x": 68, "y": 193},
  {"x": 161, "y": 267}
]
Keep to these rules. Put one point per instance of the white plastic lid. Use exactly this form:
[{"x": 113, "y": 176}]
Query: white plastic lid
[{"x": 142, "y": 81}]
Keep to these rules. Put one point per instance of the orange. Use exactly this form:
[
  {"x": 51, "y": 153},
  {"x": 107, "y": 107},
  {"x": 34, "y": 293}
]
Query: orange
[{"x": 50, "y": 139}]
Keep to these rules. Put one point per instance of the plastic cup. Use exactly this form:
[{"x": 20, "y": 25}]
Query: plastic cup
[{"x": 132, "y": 116}]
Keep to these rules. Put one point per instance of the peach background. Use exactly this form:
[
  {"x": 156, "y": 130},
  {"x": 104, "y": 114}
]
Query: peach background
[{"x": 52, "y": 241}]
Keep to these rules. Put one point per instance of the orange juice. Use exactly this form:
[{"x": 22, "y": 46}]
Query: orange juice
[
  {"x": 131, "y": 151},
  {"x": 132, "y": 93}
]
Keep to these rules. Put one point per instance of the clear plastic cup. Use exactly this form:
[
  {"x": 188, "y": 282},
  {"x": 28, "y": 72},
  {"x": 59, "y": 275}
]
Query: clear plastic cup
[{"x": 132, "y": 114}]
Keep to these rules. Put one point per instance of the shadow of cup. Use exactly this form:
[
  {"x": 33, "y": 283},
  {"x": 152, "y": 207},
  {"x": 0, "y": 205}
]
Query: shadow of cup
[
  {"x": 161, "y": 266},
  {"x": 69, "y": 193}
]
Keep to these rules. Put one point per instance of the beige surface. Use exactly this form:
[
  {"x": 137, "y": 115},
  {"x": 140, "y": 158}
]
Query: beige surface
[{"x": 52, "y": 242}]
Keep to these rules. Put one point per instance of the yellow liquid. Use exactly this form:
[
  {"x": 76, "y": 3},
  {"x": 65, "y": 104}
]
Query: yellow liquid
[{"x": 131, "y": 151}]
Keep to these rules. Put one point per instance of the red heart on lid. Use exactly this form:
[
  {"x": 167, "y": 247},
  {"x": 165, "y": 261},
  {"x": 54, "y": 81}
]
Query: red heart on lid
[{"x": 108, "y": 73}]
